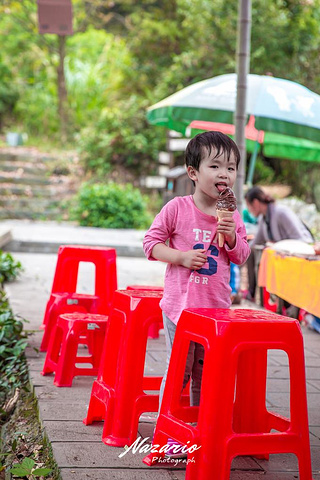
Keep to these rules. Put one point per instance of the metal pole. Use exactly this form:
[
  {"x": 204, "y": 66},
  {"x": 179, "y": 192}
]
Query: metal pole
[
  {"x": 252, "y": 163},
  {"x": 240, "y": 117}
]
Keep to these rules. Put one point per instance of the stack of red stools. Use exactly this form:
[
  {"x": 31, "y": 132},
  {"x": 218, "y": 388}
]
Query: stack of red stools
[
  {"x": 70, "y": 331},
  {"x": 64, "y": 297},
  {"x": 232, "y": 418},
  {"x": 119, "y": 394}
]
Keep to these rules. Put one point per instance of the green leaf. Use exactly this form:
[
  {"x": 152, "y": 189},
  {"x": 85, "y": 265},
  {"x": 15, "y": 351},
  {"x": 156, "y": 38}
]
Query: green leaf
[
  {"x": 28, "y": 463},
  {"x": 14, "y": 445},
  {"x": 41, "y": 472}
]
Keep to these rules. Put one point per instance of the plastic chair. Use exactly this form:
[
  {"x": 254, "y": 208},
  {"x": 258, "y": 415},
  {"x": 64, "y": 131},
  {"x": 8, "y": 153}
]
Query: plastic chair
[
  {"x": 64, "y": 297},
  {"x": 232, "y": 418},
  {"x": 154, "y": 328},
  {"x": 70, "y": 331},
  {"x": 118, "y": 395}
]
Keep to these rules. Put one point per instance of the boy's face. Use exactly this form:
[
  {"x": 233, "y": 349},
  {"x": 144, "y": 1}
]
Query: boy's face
[{"x": 214, "y": 174}]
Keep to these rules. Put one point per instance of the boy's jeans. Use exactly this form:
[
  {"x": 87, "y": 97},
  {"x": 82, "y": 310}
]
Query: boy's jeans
[{"x": 194, "y": 363}]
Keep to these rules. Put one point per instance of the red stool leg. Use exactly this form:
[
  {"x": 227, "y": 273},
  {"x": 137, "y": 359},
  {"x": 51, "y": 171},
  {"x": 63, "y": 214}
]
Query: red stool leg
[
  {"x": 121, "y": 383},
  {"x": 129, "y": 383},
  {"x": 298, "y": 404},
  {"x": 267, "y": 303},
  {"x": 52, "y": 357},
  {"x": 103, "y": 389},
  {"x": 65, "y": 370}
]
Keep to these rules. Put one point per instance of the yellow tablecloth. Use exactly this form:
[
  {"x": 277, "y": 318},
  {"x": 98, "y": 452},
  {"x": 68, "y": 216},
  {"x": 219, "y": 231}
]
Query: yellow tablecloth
[{"x": 294, "y": 279}]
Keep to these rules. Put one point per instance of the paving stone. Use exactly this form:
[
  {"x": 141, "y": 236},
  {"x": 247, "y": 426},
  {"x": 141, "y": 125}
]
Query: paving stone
[
  {"x": 278, "y": 385},
  {"x": 97, "y": 455},
  {"x": 313, "y": 373},
  {"x": 312, "y": 362},
  {"x": 311, "y": 354},
  {"x": 289, "y": 463},
  {"x": 315, "y": 431},
  {"x": 277, "y": 372},
  {"x": 73, "y": 431},
  {"x": 283, "y": 399},
  {"x": 81, "y": 389},
  {"x": 61, "y": 411},
  {"x": 283, "y": 463},
  {"x": 115, "y": 474},
  {"x": 315, "y": 383},
  {"x": 313, "y": 414},
  {"x": 314, "y": 439},
  {"x": 146, "y": 429},
  {"x": 312, "y": 387},
  {"x": 315, "y": 457}
]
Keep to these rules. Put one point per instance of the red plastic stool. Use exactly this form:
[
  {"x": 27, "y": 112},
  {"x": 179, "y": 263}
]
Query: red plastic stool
[
  {"x": 154, "y": 328},
  {"x": 70, "y": 331},
  {"x": 118, "y": 395},
  {"x": 228, "y": 423},
  {"x": 267, "y": 301},
  {"x": 63, "y": 296}
]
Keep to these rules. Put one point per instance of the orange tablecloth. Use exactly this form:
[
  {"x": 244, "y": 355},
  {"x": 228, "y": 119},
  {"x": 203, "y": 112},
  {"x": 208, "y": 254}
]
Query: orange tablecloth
[{"x": 294, "y": 279}]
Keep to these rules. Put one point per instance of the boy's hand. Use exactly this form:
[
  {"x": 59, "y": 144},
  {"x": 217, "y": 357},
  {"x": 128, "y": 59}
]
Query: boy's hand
[
  {"x": 227, "y": 227},
  {"x": 194, "y": 259}
]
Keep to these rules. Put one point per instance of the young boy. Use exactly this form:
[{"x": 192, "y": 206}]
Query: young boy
[{"x": 185, "y": 236}]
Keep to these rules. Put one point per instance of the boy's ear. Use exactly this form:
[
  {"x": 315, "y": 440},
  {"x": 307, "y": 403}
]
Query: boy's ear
[{"x": 192, "y": 173}]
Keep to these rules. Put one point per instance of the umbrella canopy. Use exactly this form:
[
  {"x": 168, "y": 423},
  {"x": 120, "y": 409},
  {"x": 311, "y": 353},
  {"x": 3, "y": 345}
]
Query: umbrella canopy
[
  {"x": 278, "y": 105},
  {"x": 274, "y": 145}
]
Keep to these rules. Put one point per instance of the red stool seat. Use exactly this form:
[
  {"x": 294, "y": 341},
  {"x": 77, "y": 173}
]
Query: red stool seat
[
  {"x": 70, "y": 331},
  {"x": 64, "y": 297},
  {"x": 118, "y": 395},
  {"x": 66, "y": 303},
  {"x": 232, "y": 418},
  {"x": 156, "y": 326}
]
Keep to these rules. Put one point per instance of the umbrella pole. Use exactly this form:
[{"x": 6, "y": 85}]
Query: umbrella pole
[{"x": 252, "y": 164}]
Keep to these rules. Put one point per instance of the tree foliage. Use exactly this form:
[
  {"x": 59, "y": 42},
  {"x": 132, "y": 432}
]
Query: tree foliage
[{"x": 125, "y": 56}]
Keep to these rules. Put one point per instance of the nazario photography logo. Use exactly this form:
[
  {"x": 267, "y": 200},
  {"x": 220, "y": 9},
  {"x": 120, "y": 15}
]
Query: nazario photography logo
[{"x": 143, "y": 445}]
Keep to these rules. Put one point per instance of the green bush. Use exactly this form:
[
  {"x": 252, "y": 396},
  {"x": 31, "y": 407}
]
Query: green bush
[
  {"x": 9, "y": 268},
  {"x": 13, "y": 367},
  {"x": 111, "y": 206}
]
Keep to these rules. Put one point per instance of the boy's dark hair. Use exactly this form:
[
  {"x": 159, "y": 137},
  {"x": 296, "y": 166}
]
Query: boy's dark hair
[{"x": 209, "y": 141}]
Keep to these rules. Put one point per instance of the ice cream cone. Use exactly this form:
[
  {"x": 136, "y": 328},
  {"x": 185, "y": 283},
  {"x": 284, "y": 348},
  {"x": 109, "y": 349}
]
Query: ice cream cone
[{"x": 223, "y": 214}]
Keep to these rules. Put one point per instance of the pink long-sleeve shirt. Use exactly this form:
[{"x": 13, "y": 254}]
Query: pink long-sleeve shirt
[{"x": 186, "y": 227}]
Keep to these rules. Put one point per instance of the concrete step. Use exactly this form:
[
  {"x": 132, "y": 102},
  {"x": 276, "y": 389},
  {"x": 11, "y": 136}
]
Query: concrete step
[
  {"x": 18, "y": 201},
  {"x": 12, "y": 177},
  {"x": 32, "y": 183},
  {"x": 21, "y": 168},
  {"x": 9, "y": 188},
  {"x": 53, "y": 190},
  {"x": 30, "y": 155},
  {"x": 27, "y": 213}
]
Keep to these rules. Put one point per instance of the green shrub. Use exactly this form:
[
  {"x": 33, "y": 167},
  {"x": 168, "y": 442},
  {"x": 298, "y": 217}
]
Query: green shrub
[
  {"x": 13, "y": 367},
  {"x": 13, "y": 341},
  {"x": 9, "y": 268},
  {"x": 111, "y": 206}
]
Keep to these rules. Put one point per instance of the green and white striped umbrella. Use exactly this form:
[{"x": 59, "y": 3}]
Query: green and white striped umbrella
[{"x": 278, "y": 106}]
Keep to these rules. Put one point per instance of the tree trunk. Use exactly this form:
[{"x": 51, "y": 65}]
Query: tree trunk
[
  {"x": 243, "y": 64},
  {"x": 62, "y": 90}
]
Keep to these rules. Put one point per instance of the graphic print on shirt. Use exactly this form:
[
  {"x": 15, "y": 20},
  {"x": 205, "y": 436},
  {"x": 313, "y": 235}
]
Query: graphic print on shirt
[{"x": 212, "y": 251}]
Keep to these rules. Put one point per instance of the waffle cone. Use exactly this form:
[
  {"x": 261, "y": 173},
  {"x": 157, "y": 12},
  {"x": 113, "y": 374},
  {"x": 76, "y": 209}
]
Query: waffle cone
[{"x": 222, "y": 214}]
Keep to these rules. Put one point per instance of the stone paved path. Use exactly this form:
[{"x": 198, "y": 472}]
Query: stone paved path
[{"x": 78, "y": 449}]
